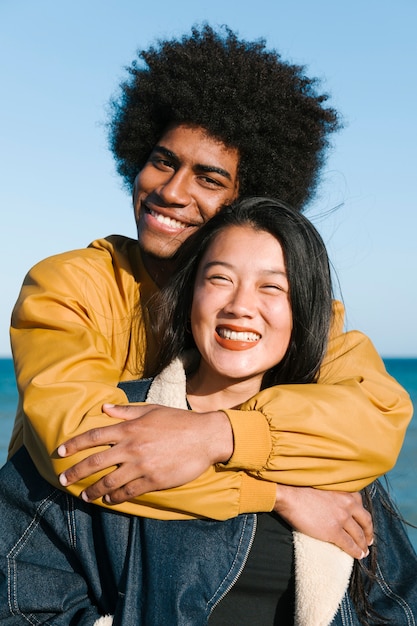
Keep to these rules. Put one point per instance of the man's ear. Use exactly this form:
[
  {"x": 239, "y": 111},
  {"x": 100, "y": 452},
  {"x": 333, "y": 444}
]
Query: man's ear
[{"x": 135, "y": 190}]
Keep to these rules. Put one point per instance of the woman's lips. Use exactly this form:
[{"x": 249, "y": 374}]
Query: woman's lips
[{"x": 234, "y": 339}]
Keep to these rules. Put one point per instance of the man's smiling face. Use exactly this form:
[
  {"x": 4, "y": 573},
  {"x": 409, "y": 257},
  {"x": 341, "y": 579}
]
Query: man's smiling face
[{"x": 187, "y": 178}]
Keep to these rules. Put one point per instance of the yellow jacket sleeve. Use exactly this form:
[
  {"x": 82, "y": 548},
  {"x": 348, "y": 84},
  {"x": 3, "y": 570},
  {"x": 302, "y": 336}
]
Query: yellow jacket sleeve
[
  {"x": 341, "y": 433},
  {"x": 74, "y": 330},
  {"x": 77, "y": 330}
]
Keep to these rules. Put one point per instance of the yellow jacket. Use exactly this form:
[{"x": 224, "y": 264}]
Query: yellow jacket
[{"x": 76, "y": 330}]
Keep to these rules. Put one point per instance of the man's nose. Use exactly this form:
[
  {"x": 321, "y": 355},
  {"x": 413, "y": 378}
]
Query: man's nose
[{"x": 176, "y": 189}]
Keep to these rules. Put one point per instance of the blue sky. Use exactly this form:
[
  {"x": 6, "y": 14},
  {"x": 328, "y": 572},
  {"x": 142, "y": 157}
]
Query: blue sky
[{"x": 61, "y": 62}]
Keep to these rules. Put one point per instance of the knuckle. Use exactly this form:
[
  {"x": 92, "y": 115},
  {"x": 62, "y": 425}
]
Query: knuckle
[
  {"x": 109, "y": 481},
  {"x": 95, "y": 460},
  {"x": 95, "y": 434},
  {"x": 72, "y": 474},
  {"x": 129, "y": 491},
  {"x": 143, "y": 460},
  {"x": 344, "y": 517}
]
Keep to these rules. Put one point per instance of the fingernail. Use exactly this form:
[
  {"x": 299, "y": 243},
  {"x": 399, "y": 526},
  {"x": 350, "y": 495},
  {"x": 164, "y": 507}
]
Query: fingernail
[
  {"x": 371, "y": 543},
  {"x": 107, "y": 499},
  {"x": 108, "y": 406},
  {"x": 63, "y": 480},
  {"x": 62, "y": 451},
  {"x": 84, "y": 496}
]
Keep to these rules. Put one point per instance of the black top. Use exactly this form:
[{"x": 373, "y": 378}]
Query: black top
[{"x": 264, "y": 594}]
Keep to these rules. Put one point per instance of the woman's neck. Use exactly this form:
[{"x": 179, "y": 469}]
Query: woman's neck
[{"x": 210, "y": 393}]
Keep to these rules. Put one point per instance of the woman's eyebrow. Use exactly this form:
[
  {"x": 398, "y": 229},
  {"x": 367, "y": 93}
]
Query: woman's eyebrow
[{"x": 274, "y": 271}]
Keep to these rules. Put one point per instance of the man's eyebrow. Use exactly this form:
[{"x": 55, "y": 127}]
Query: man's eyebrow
[
  {"x": 199, "y": 167},
  {"x": 213, "y": 169},
  {"x": 166, "y": 152}
]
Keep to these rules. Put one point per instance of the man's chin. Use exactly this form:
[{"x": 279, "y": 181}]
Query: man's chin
[
  {"x": 159, "y": 247},
  {"x": 161, "y": 256}
]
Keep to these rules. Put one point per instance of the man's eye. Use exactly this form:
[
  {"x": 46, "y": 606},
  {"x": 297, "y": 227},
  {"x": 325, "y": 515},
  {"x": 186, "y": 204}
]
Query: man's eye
[
  {"x": 162, "y": 164},
  {"x": 166, "y": 163},
  {"x": 211, "y": 182}
]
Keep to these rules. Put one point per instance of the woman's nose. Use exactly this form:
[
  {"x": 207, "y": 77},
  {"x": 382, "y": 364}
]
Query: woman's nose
[{"x": 241, "y": 302}]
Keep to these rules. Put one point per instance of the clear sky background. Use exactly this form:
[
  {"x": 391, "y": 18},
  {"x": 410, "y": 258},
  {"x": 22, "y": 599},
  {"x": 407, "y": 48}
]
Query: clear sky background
[{"x": 61, "y": 60}]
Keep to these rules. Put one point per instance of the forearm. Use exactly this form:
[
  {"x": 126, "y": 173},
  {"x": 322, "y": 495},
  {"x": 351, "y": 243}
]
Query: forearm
[
  {"x": 55, "y": 412},
  {"x": 70, "y": 352},
  {"x": 339, "y": 434},
  {"x": 214, "y": 495}
]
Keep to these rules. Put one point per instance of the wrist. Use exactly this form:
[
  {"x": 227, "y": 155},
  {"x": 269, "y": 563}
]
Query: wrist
[
  {"x": 279, "y": 498},
  {"x": 221, "y": 438},
  {"x": 284, "y": 494}
]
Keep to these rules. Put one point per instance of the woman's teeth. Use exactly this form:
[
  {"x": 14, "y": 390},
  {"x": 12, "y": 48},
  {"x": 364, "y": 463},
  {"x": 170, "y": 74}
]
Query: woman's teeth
[{"x": 235, "y": 335}]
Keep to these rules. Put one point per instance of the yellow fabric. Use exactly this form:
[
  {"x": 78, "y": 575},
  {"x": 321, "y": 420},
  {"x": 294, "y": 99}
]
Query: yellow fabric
[{"x": 75, "y": 330}]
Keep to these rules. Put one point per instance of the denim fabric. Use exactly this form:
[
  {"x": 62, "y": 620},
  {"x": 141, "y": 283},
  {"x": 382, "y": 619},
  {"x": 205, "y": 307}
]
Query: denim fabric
[
  {"x": 63, "y": 561},
  {"x": 49, "y": 543},
  {"x": 185, "y": 568},
  {"x": 393, "y": 594},
  {"x": 67, "y": 562}
]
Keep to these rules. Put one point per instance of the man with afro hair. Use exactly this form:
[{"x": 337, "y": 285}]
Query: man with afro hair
[
  {"x": 243, "y": 95},
  {"x": 199, "y": 121}
]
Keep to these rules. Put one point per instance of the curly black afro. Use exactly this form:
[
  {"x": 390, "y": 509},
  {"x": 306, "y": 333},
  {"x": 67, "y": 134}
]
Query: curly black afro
[{"x": 243, "y": 95}]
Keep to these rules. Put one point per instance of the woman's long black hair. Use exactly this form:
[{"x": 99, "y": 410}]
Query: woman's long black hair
[
  {"x": 310, "y": 293},
  {"x": 308, "y": 273}
]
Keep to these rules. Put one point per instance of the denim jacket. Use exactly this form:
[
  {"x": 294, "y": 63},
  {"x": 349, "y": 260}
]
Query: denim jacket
[
  {"x": 322, "y": 570},
  {"x": 67, "y": 562}
]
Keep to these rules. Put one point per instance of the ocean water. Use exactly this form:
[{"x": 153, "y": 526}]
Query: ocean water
[{"x": 402, "y": 479}]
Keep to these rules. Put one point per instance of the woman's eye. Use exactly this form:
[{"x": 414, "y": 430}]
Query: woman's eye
[
  {"x": 218, "y": 279},
  {"x": 273, "y": 288}
]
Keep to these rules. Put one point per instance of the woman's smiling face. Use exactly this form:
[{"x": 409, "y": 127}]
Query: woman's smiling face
[{"x": 241, "y": 317}]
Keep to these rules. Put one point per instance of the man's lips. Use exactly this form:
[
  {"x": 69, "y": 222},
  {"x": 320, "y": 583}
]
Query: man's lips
[
  {"x": 233, "y": 339},
  {"x": 165, "y": 220}
]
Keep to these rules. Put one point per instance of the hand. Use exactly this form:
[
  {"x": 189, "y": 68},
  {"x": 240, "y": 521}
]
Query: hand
[
  {"x": 334, "y": 516},
  {"x": 154, "y": 448}
]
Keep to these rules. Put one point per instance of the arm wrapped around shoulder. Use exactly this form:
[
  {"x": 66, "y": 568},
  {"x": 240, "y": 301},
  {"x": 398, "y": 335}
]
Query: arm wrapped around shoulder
[{"x": 340, "y": 433}]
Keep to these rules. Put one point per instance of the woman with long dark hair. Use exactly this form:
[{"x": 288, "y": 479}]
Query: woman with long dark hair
[
  {"x": 249, "y": 307},
  {"x": 256, "y": 271}
]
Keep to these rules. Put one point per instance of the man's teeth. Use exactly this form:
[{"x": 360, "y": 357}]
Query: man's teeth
[
  {"x": 169, "y": 221},
  {"x": 234, "y": 335}
]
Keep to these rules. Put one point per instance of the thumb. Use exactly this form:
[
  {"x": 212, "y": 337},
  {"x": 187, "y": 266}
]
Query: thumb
[{"x": 123, "y": 411}]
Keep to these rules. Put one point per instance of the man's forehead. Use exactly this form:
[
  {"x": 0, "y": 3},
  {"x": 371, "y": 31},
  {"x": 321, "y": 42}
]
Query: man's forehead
[
  {"x": 200, "y": 133},
  {"x": 195, "y": 143}
]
